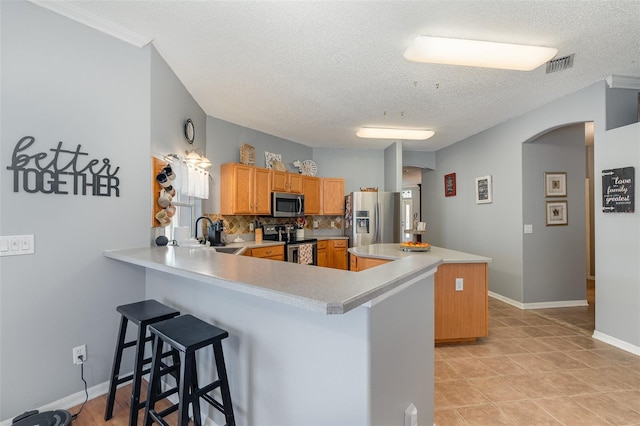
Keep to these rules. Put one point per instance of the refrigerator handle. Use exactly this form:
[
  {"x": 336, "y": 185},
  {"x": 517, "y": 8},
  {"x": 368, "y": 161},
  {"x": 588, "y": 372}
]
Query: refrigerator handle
[{"x": 376, "y": 224}]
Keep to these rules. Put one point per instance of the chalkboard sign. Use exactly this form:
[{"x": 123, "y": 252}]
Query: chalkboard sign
[{"x": 617, "y": 190}]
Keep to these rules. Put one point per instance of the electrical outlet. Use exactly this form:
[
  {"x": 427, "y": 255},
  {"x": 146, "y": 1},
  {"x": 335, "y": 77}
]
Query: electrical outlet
[
  {"x": 333, "y": 224},
  {"x": 80, "y": 354},
  {"x": 459, "y": 284}
]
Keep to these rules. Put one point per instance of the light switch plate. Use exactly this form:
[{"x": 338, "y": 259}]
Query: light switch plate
[
  {"x": 459, "y": 284},
  {"x": 16, "y": 245},
  {"x": 528, "y": 229}
]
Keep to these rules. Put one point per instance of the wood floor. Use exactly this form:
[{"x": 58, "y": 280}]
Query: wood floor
[{"x": 93, "y": 412}]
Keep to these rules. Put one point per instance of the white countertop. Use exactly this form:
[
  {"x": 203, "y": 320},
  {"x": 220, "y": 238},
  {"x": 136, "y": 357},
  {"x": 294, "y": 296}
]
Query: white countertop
[
  {"x": 323, "y": 290},
  {"x": 393, "y": 252}
]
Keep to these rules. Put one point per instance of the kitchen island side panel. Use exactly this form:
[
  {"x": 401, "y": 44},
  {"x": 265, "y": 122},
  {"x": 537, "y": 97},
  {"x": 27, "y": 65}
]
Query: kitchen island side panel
[{"x": 286, "y": 366}]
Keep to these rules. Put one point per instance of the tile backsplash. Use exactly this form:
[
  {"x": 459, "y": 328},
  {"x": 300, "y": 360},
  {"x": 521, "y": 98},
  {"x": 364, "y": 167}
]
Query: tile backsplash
[{"x": 240, "y": 224}]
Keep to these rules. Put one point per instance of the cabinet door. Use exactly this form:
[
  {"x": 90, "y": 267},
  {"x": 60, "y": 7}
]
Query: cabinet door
[
  {"x": 322, "y": 258},
  {"x": 333, "y": 196},
  {"x": 311, "y": 191},
  {"x": 236, "y": 185},
  {"x": 279, "y": 181},
  {"x": 262, "y": 191},
  {"x": 338, "y": 254},
  {"x": 295, "y": 183}
]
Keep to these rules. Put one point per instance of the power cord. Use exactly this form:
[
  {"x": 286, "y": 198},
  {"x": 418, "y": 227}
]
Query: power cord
[{"x": 86, "y": 393}]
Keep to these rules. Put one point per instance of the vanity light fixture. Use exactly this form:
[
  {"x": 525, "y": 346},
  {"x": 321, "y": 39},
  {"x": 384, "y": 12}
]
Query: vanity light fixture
[
  {"x": 197, "y": 159},
  {"x": 475, "y": 53},
  {"x": 390, "y": 133}
]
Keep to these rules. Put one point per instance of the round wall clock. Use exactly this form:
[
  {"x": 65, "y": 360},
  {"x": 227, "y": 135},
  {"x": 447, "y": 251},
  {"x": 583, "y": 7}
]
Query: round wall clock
[{"x": 189, "y": 131}]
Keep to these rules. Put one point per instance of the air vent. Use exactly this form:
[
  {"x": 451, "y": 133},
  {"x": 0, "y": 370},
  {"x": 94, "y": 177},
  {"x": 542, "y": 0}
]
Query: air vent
[{"x": 560, "y": 64}]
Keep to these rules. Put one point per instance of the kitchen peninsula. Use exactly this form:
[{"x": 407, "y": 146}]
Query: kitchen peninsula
[
  {"x": 461, "y": 288},
  {"x": 308, "y": 345}
]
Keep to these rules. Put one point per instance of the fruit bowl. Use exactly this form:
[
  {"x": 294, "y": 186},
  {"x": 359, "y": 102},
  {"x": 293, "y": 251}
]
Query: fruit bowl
[{"x": 411, "y": 246}]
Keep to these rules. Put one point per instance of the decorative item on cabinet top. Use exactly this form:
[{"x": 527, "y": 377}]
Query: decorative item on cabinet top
[
  {"x": 247, "y": 155},
  {"x": 270, "y": 158},
  {"x": 306, "y": 167}
]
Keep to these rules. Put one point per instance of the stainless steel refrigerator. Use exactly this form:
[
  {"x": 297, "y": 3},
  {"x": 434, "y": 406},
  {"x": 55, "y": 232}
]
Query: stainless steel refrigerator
[{"x": 373, "y": 217}]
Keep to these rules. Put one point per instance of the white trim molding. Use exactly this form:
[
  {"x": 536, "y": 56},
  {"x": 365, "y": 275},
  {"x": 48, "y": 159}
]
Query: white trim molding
[
  {"x": 620, "y": 344},
  {"x": 78, "y": 14},
  {"x": 623, "y": 82},
  {"x": 539, "y": 305}
]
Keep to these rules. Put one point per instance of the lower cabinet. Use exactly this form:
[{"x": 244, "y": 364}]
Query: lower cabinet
[
  {"x": 322, "y": 253},
  {"x": 333, "y": 253},
  {"x": 271, "y": 252},
  {"x": 361, "y": 263},
  {"x": 460, "y": 314},
  {"x": 338, "y": 254}
]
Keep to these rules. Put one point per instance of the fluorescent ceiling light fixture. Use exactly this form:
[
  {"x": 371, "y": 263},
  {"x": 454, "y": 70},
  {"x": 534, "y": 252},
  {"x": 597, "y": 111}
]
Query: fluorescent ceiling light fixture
[
  {"x": 386, "y": 133},
  {"x": 474, "y": 53}
]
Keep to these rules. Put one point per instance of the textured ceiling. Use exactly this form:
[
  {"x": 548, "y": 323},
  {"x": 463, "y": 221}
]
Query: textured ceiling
[{"x": 313, "y": 72}]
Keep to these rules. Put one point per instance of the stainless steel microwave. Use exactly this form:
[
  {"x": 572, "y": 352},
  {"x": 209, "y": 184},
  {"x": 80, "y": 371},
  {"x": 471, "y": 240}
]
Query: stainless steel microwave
[{"x": 284, "y": 204}]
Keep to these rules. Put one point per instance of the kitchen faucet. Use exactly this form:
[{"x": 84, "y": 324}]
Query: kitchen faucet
[{"x": 204, "y": 239}]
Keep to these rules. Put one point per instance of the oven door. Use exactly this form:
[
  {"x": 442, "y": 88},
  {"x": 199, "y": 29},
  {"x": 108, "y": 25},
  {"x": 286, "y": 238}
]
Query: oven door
[{"x": 305, "y": 253}]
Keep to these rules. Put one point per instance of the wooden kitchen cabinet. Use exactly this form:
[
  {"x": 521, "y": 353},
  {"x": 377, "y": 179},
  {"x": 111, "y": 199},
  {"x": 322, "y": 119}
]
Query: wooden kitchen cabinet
[
  {"x": 322, "y": 253},
  {"x": 244, "y": 189},
  {"x": 359, "y": 264},
  {"x": 312, "y": 195},
  {"x": 286, "y": 182},
  {"x": 333, "y": 196},
  {"x": 270, "y": 252},
  {"x": 464, "y": 314},
  {"x": 337, "y": 254}
]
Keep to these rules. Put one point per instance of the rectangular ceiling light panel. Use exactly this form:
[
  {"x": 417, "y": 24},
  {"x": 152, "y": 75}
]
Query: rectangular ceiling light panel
[
  {"x": 476, "y": 53},
  {"x": 388, "y": 133}
]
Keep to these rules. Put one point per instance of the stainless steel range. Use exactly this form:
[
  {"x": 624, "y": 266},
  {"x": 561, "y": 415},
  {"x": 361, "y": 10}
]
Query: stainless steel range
[{"x": 297, "y": 251}]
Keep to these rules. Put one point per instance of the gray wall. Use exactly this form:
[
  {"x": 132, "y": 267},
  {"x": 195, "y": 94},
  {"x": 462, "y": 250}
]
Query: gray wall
[
  {"x": 171, "y": 105},
  {"x": 224, "y": 140},
  {"x": 496, "y": 230},
  {"x": 62, "y": 81},
  {"x": 393, "y": 167},
  {"x": 361, "y": 168},
  {"x": 618, "y": 244},
  {"x": 554, "y": 262},
  {"x": 419, "y": 159}
]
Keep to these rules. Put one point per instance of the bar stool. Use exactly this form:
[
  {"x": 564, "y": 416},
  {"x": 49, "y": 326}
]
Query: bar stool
[
  {"x": 187, "y": 334},
  {"x": 142, "y": 314}
]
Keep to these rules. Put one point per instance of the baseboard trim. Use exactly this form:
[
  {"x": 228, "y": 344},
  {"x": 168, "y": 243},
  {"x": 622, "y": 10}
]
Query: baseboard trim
[
  {"x": 99, "y": 390},
  {"x": 620, "y": 344},
  {"x": 69, "y": 401},
  {"x": 539, "y": 305}
]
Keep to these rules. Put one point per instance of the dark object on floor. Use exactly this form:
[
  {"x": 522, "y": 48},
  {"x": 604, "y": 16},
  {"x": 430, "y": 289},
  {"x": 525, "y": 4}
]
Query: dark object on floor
[{"x": 48, "y": 418}]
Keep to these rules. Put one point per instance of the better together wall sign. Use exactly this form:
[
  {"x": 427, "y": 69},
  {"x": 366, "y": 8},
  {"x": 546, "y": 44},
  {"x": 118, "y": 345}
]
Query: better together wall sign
[
  {"x": 618, "y": 190},
  {"x": 62, "y": 171}
]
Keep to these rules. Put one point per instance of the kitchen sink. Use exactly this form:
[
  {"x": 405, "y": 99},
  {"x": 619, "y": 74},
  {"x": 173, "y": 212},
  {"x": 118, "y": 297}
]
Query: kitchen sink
[{"x": 229, "y": 250}]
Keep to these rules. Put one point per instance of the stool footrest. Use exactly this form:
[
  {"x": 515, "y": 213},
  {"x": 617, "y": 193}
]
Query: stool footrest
[
  {"x": 215, "y": 403},
  {"x": 211, "y": 386},
  {"x": 157, "y": 416}
]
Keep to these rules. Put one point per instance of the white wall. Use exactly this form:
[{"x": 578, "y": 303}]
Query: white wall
[{"x": 62, "y": 81}]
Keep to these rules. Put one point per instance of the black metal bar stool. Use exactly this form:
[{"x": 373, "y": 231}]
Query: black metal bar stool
[
  {"x": 142, "y": 314},
  {"x": 188, "y": 334}
]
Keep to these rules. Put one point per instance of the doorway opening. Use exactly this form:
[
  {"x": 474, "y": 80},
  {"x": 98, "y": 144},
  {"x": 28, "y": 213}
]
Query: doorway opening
[{"x": 411, "y": 200}]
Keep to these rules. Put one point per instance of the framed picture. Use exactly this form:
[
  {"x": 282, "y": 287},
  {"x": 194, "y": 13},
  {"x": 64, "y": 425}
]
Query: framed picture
[
  {"x": 555, "y": 184},
  {"x": 450, "y": 185},
  {"x": 557, "y": 213},
  {"x": 484, "y": 190}
]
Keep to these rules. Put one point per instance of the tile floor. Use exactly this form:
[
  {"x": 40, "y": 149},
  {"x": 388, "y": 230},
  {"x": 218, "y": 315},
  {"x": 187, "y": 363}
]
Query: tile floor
[{"x": 537, "y": 367}]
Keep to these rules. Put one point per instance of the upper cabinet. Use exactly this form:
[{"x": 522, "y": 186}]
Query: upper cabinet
[
  {"x": 286, "y": 182},
  {"x": 244, "y": 190},
  {"x": 332, "y": 196},
  {"x": 311, "y": 188}
]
